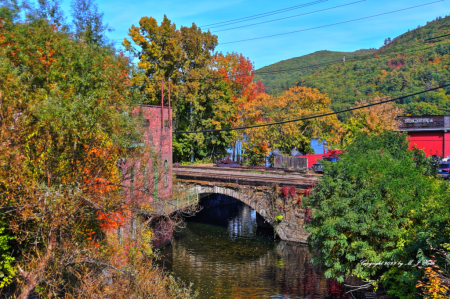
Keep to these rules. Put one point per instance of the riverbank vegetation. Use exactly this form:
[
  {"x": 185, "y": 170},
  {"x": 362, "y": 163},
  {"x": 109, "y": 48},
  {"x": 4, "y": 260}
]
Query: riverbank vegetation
[
  {"x": 65, "y": 121},
  {"x": 378, "y": 206}
]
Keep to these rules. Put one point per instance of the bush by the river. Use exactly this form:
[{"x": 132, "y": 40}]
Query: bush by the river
[{"x": 380, "y": 203}]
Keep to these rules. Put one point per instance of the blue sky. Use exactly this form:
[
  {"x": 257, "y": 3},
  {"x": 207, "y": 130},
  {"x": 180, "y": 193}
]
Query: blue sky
[{"x": 368, "y": 33}]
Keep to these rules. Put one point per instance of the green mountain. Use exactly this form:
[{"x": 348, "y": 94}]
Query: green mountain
[{"x": 409, "y": 63}]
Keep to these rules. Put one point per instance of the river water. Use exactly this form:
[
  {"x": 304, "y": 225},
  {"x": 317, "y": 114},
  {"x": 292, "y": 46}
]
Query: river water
[{"x": 225, "y": 255}]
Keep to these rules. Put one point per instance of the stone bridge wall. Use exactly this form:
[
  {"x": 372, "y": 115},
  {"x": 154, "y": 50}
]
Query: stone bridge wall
[{"x": 260, "y": 199}]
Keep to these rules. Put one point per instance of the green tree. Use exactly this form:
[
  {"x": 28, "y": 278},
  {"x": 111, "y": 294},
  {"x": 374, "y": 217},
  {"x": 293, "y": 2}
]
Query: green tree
[
  {"x": 201, "y": 95},
  {"x": 51, "y": 10},
  {"x": 380, "y": 203},
  {"x": 88, "y": 21},
  {"x": 7, "y": 269}
]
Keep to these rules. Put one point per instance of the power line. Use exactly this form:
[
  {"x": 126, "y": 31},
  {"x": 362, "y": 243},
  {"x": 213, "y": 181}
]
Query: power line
[
  {"x": 328, "y": 25},
  {"x": 351, "y": 59},
  {"x": 313, "y": 116},
  {"x": 261, "y": 15},
  {"x": 303, "y": 14},
  {"x": 437, "y": 37},
  {"x": 306, "y": 5},
  {"x": 348, "y": 60}
]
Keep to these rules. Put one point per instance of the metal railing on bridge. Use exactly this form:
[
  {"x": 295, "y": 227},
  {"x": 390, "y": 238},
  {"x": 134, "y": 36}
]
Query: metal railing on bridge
[{"x": 295, "y": 163}]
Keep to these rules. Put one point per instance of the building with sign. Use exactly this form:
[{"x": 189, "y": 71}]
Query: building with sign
[{"x": 430, "y": 133}]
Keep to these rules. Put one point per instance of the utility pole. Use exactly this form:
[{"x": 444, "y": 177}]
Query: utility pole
[{"x": 190, "y": 125}]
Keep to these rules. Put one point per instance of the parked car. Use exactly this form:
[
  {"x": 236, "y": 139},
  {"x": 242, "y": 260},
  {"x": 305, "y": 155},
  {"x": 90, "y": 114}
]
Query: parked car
[
  {"x": 318, "y": 167},
  {"x": 444, "y": 170}
]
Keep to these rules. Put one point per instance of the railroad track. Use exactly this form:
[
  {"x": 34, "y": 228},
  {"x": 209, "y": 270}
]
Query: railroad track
[{"x": 244, "y": 178}]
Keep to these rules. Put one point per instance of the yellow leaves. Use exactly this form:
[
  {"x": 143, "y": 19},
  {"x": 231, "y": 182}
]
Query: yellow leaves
[
  {"x": 435, "y": 286},
  {"x": 295, "y": 103},
  {"x": 372, "y": 120}
]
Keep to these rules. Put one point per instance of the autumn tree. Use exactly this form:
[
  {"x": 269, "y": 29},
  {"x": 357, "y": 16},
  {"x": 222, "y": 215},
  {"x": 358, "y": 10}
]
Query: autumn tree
[
  {"x": 204, "y": 87},
  {"x": 238, "y": 74},
  {"x": 297, "y": 102},
  {"x": 372, "y": 120},
  {"x": 65, "y": 121}
]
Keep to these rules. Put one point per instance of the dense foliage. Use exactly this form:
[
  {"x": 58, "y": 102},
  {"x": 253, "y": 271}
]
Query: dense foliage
[
  {"x": 407, "y": 64},
  {"x": 297, "y": 102},
  {"x": 380, "y": 203},
  {"x": 207, "y": 88},
  {"x": 65, "y": 107},
  {"x": 277, "y": 82}
]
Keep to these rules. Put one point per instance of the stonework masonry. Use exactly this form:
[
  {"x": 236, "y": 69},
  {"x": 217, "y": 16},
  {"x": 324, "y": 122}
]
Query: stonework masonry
[{"x": 291, "y": 228}]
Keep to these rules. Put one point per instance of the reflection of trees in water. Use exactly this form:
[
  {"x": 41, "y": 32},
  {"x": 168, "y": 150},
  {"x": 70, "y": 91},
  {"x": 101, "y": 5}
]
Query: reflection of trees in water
[
  {"x": 244, "y": 224},
  {"x": 285, "y": 270},
  {"x": 222, "y": 254}
]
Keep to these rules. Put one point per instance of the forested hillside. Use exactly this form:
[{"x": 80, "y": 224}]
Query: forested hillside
[
  {"x": 409, "y": 63},
  {"x": 278, "y": 82}
]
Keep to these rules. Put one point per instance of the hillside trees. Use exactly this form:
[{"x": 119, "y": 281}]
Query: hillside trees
[
  {"x": 380, "y": 203},
  {"x": 408, "y": 64}
]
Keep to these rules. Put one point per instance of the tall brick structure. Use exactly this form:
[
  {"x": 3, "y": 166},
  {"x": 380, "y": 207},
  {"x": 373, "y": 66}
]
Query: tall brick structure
[
  {"x": 158, "y": 131},
  {"x": 147, "y": 183}
]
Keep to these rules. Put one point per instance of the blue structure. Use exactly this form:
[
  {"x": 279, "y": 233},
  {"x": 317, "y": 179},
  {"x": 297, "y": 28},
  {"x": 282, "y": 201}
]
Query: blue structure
[{"x": 319, "y": 148}]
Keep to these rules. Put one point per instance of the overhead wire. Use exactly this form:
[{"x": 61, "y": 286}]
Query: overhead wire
[
  {"x": 312, "y": 116},
  {"x": 329, "y": 25},
  {"x": 295, "y": 16},
  {"x": 362, "y": 57},
  {"x": 261, "y": 15},
  {"x": 348, "y": 60},
  {"x": 436, "y": 37}
]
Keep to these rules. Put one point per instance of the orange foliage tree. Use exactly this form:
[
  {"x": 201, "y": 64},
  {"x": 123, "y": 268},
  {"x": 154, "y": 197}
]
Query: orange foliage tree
[
  {"x": 372, "y": 120},
  {"x": 295, "y": 103},
  {"x": 238, "y": 74},
  {"x": 65, "y": 121}
]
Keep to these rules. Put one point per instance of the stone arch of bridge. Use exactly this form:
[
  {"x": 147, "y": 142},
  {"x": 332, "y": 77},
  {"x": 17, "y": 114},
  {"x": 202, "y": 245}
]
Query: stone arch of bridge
[
  {"x": 291, "y": 228},
  {"x": 259, "y": 206}
]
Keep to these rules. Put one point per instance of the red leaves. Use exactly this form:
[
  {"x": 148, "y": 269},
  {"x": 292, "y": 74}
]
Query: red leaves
[
  {"x": 292, "y": 191},
  {"x": 238, "y": 71},
  {"x": 114, "y": 219},
  {"x": 288, "y": 192},
  {"x": 308, "y": 213},
  {"x": 308, "y": 191},
  {"x": 284, "y": 191}
]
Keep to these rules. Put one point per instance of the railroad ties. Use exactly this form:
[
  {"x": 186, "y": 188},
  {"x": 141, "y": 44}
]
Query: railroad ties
[{"x": 244, "y": 177}]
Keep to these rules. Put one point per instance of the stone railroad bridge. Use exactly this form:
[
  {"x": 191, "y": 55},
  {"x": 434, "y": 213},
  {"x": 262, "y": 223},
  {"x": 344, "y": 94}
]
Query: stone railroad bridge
[{"x": 257, "y": 190}]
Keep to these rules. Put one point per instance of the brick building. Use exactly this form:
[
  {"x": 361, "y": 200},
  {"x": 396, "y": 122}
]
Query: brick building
[
  {"x": 151, "y": 181},
  {"x": 430, "y": 133}
]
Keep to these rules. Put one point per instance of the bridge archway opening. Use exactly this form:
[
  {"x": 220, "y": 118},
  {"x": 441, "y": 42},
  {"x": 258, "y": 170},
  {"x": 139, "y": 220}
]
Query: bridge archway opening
[{"x": 238, "y": 216}]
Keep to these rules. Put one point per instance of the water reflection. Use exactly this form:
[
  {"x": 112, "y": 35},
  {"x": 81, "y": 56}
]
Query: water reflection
[{"x": 225, "y": 255}]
